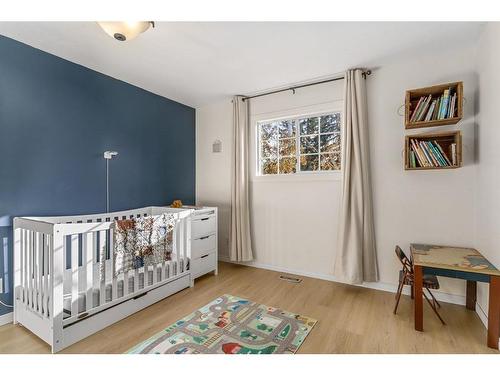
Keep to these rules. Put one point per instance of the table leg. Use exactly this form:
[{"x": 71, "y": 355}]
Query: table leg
[
  {"x": 494, "y": 312},
  {"x": 418, "y": 285},
  {"x": 471, "y": 294}
]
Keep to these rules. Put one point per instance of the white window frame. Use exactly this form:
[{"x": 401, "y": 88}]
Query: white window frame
[{"x": 296, "y": 114}]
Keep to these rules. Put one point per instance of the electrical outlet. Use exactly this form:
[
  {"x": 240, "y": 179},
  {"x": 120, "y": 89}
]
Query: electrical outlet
[{"x": 1, "y": 285}]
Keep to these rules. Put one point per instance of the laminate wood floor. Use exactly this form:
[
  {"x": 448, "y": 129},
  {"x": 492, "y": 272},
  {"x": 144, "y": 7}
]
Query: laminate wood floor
[{"x": 350, "y": 319}]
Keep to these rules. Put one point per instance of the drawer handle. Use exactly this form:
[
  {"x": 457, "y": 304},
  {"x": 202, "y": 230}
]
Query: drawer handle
[
  {"x": 206, "y": 218},
  {"x": 203, "y": 238},
  {"x": 204, "y": 256}
]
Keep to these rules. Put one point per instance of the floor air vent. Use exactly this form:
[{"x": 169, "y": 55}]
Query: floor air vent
[{"x": 290, "y": 279}]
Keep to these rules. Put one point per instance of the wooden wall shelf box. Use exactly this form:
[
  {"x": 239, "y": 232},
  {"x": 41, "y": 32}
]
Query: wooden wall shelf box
[
  {"x": 445, "y": 139},
  {"x": 412, "y": 97}
]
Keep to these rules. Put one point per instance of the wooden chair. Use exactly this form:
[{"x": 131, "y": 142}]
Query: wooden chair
[{"x": 406, "y": 277}]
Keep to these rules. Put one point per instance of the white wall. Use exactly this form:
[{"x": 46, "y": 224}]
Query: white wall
[
  {"x": 294, "y": 222},
  {"x": 487, "y": 205},
  {"x": 293, "y": 216},
  {"x": 433, "y": 206},
  {"x": 213, "y": 170}
]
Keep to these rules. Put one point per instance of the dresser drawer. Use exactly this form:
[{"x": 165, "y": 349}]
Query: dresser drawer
[
  {"x": 202, "y": 226},
  {"x": 203, "y": 265},
  {"x": 203, "y": 245}
]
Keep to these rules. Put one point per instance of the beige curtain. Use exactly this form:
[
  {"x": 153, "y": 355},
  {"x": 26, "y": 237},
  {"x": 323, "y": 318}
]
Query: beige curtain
[
  {"x": 356, "y": 258},
  {"x": 241, "y": 243}
]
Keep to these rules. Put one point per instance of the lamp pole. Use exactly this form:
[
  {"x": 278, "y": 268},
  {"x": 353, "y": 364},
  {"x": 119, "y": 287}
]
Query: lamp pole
[{"x": 108, "y": 155}]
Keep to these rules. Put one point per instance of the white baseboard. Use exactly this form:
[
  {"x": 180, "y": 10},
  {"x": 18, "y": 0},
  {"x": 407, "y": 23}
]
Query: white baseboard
[
  {"x": 386, "y": 287},
  {"x": 6, "y": 318}
]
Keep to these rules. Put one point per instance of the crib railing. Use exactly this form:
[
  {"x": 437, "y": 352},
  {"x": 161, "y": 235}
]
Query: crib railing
[{"x": 58, "y": 263}]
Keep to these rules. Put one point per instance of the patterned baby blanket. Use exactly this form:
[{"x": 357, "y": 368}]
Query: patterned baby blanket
[{"x": 142, "y": 242}]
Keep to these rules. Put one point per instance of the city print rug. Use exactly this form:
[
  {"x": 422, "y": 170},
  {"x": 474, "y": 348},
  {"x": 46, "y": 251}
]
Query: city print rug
[{"x": 231, "y": 325}]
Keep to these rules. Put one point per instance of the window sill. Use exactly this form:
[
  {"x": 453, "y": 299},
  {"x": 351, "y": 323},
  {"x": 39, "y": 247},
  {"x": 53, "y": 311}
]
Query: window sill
[{"x": 300, "y": 177}]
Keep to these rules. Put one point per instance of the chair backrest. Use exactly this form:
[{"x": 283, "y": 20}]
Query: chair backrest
[{"x": 407, "y": 265}]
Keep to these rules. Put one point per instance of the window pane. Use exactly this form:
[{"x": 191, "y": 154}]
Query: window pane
[
  {"x": 269, "y": 166},
  {"x": 309, "y": 145},
  {"x": 309, "y": 162},
  {"x": 269, "y": 140},
  {"x": 286, "y": 128},
  {"x": 309, "y": 125},
  {"x": 269, "y": 148},
  {"x": 330, "y": 142},
  {"x": 330, "y": 162},
  {"x": 287, "y": 147},
  {"x": 330, "y": 123},
  {"x": 268, "y": 131},
  {"x": 288, "y": 165}
]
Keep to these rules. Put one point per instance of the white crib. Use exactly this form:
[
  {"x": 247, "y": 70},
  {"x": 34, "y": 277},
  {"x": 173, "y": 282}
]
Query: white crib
[{"x": 59, "y": 293}]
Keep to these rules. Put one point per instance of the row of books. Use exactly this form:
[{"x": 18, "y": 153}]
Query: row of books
[
  {"x": 429, "y": 108},
  {"x": 431, "y": 154}
]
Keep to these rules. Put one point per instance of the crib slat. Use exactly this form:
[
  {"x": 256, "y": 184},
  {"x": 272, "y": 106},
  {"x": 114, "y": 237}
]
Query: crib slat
[
  {"x": 187, "y": 243},
  {"x": 114, "y": 282},
  {"x": 35, "y": 261},
  {"x": 50, "y": 270},
  {"x": 136, "y": 280},
  {"x": 88, "y": 256},
  {"x": 74, "y": 274},
  {"x": 166, "y": 269},
  {"x": 102, "y": 267},
  {"x": 96, "y": 267},
  {"x": 160, "y": 268},
  {"x": 155, "y": 274},
  {"x": 30, "y": 267},
  {"x": 23, "y": 264},
  {"x": 183, "y": 244},
  {"x": 27, "y": 268},
  {"x": 177, "y": 241},
  {"x": 146, "y": 276},
  {"x": 46, "y": 275},
  {"x": 125, "y": 283},
  {"x": 40, "y": 291}
]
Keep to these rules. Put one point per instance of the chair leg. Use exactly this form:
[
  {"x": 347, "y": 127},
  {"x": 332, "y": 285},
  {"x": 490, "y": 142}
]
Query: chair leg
[
  {"x": 433, "y": 308},
  {"x": 398, "y": 294},
  {"x": 433, "y": 298},
  {"x": 412, "y": 292}
]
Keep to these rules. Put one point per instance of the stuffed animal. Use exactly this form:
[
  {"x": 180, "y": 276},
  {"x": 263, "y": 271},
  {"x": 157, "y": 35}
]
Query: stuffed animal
[{"x": 176, "y": 203}]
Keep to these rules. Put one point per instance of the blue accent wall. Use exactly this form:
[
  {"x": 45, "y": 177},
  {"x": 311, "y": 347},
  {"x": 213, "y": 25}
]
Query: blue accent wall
[{"x": 56, "y": 120}]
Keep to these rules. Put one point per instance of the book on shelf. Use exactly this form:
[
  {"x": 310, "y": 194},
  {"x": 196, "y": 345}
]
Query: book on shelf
[
  {"x": 444, "y": 104},
  {"x": 413, "y": 159},
  {"x": 443, "y": 153},
  {"x": 430, "y": 112},
  {"x": 428, "y": 154},
  {"x": 429, "y": 108}
]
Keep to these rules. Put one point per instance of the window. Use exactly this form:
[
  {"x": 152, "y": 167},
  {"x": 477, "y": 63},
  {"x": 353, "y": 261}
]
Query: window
[{"x": 301, "y": 144}]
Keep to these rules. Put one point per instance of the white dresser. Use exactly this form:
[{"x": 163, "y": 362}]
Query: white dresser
[{"x": 204, "y": 241}]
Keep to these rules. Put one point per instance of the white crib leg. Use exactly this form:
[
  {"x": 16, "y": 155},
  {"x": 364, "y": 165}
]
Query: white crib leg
[{"x": 57, "y": 294}]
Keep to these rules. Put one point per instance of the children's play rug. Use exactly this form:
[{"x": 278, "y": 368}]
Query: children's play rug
[{"x": 231, "y": 325}]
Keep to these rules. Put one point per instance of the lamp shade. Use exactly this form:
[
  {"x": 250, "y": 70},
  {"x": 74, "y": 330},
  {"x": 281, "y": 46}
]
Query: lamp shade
[{"x": 123, "y": 31}]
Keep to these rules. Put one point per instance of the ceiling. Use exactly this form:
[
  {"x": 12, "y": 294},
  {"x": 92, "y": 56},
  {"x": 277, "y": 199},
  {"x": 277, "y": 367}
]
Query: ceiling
[{"x": 197, "y": 63}]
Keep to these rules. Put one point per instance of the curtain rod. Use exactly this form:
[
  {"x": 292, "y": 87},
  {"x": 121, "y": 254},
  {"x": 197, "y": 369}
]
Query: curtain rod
[{"x": 293, "y": 88}]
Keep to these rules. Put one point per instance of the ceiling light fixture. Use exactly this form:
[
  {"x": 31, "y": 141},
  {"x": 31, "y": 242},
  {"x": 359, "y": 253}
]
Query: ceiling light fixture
[{"x": 123, "y": 31}]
